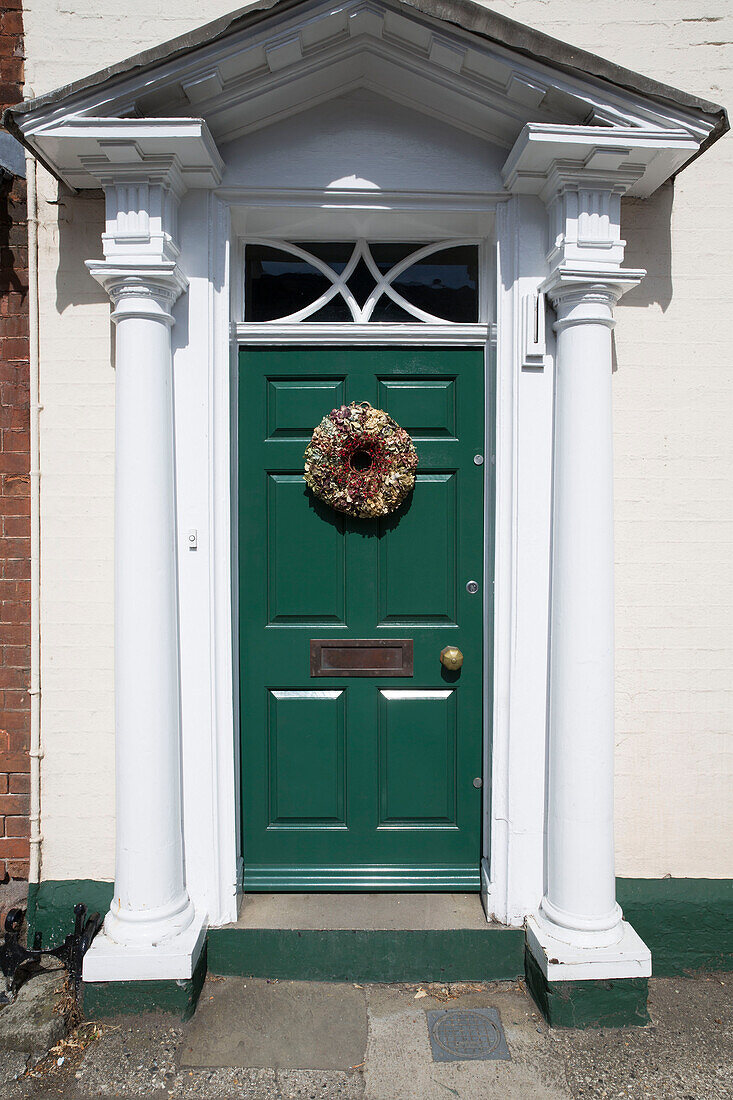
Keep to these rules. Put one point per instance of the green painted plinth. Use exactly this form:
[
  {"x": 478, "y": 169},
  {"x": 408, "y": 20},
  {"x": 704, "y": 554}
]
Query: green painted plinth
[
  {"x": 617, "y": 1002},
  {"x": 51, "y": 906},
  {"x": 686, "y": 922},
  {"x": 368, "y": 955},
  {"x": 179, "y": 998}
]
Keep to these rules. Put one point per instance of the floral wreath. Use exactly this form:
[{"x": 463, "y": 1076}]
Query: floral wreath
[{"x": 360, "y": 461}]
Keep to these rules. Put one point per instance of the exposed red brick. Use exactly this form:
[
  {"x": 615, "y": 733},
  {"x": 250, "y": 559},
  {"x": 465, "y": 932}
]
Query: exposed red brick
[
  {"x": 13, "y": 678},
  {"x": 17, "y": 868},
  {"x": 12, "y": 21},
  {"x": 13, "y": 762},
  {"x": 13, "y": 612},
  {"x": 19, "y": 782},
  {"x": 12, "y": 722},
  {"x": 16, "y": 656},
  {"x": 17, "y": 568},
  {"x": 14, "y": 482},
  {"x": 17, "y": 827},
  {"x": 15, "y": 848},
  {"x": 14, "y": 804},
  {"x": 16, "y": 527},
  {"x": 14, "y": 699},
  {"x": 15, "y": 506}
]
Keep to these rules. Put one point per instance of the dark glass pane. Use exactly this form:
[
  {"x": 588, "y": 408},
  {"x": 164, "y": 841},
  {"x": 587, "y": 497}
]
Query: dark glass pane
[
  {"x": 278, "y": 284},
  {"x": 387, "y": 254},
  {"x": 335, "y": 310},
  {"x": 334, "y": 253},
  {"x": 361, "y": 282},
  {"x": 444, "y": 284},
  {"x": 387, "y": 310}
]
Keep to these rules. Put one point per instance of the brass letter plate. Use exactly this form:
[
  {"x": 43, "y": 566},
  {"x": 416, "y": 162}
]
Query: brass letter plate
[{"x": 361, "y": 657}]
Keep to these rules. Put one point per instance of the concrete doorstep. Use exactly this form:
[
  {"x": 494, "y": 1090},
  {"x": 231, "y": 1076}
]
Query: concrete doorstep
[{"x": 253, "y": 1039}]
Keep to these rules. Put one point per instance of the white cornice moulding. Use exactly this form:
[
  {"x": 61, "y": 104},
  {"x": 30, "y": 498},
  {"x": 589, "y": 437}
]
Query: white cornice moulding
[
  {"x": 309, "y": 53},
  {"x": 85, "y": 151},
  {"x": 634, "y": 160}
]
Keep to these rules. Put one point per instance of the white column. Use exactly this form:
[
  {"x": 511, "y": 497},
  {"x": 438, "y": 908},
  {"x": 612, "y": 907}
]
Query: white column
[
  {"x": 151, "y": 929},
  {"x": 145, "y": 166},
  {"x": 580, "y": 898},
  {"x": 150, "y": 901},
  {"x": 579, "y": 932}
]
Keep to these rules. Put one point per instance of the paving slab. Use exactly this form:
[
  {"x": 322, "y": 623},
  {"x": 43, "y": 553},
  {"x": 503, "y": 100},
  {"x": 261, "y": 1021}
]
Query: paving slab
[
  {"x": 399, "y": 1064},
  {"x": 279, "y": 1025},
  {"x": 131, "y": 1058},
  {"x": 32, "y": 1023}
]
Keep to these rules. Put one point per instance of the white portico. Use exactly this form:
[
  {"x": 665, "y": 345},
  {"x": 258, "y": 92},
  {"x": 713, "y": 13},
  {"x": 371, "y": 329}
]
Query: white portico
[{"x": 378, "y": 122}]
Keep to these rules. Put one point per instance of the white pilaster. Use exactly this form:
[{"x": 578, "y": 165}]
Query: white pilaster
[
  {"x": 152, "y": 929},
  {"x": 578, "y": 931}
]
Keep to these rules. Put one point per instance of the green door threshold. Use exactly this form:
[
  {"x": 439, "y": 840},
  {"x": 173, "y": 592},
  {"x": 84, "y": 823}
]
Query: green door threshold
[{"x": 401, "y": 937}]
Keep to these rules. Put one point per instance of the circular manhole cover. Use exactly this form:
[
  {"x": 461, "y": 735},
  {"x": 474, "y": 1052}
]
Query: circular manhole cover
[{"x": 466, "y": 1034}]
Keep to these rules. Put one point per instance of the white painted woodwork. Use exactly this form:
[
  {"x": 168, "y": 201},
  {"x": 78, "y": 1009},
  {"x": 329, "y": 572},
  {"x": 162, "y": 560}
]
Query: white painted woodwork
[
  {"x": 581, "y": 884},
  {"x": 578, "y": 915},
  {"x": 151, "y": 911},
  {"x": 296, "y": 59},
  {"x": 150, "y": 899}
]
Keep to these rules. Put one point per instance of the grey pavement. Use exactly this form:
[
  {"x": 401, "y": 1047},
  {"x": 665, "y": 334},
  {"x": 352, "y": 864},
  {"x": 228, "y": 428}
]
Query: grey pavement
[{"x": 257, "y": 1040}]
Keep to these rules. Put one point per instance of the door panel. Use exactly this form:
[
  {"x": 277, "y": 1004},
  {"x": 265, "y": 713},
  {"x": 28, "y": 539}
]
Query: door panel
[
  {"x": 295, "y": 595},
  {"x": 421, "y": 588},
  {"x": 417, "y": 759},
  {"x": 302, "y": 726},
  {"x": 353, "y": 782}
]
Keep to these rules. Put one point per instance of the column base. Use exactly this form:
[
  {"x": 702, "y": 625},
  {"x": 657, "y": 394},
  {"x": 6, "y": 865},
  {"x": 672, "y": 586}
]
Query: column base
[
  {"x": 177, "y": 997},
  {"x": 616, "y": 1002},
  {"x": 629, "y": 957},
  {"x": 581, "y": 986},
  {"x": 175, "y": 958}
]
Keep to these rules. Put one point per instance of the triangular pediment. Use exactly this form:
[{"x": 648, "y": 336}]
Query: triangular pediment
[{"x": 455, "y": 62}]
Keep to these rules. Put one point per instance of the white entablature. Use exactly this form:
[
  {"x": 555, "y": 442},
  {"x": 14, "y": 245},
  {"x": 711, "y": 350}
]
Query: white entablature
[{"x": 258, "y": 67}]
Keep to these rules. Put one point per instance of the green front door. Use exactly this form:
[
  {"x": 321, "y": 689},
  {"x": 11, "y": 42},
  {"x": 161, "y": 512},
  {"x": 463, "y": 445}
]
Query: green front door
[{"x": 361, "y": 782}]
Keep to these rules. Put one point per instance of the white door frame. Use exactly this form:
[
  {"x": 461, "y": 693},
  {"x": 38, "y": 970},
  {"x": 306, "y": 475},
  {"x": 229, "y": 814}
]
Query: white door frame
[{"x": 514, "y": 733}]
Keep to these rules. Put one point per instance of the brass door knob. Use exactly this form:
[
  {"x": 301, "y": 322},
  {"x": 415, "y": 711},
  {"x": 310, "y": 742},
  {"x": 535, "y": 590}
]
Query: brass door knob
[{"x": 451, "y": 658}]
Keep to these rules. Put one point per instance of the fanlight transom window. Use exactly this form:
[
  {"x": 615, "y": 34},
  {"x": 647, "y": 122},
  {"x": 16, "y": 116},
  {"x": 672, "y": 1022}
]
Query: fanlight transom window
[{"x": 361, "y": 282}]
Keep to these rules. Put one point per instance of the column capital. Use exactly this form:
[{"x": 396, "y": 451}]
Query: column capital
[
  {"x": 580, "y": 295},
  {"x": 146, "y": 289}
]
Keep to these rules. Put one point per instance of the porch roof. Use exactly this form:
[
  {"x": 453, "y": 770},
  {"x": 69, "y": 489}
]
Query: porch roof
[{"x": 110, "y": 87}]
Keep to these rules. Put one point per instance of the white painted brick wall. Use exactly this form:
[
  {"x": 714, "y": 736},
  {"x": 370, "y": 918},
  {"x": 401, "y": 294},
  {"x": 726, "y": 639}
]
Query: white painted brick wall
[{"x": 673, "y": 395}]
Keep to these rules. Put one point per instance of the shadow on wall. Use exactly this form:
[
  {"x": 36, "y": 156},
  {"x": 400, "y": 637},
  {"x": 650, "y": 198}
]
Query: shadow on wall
[
  {"x": 80, "y": 228},
  {"x": 646, "y": 226}
]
